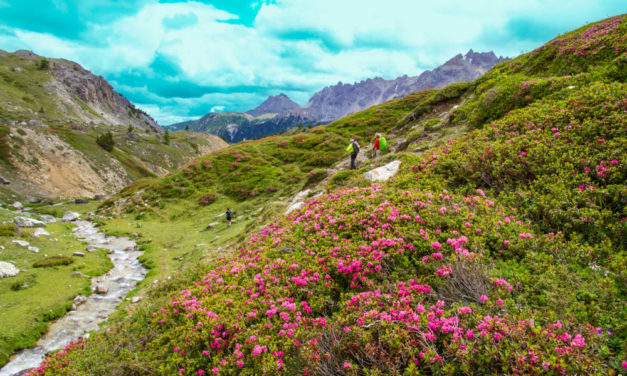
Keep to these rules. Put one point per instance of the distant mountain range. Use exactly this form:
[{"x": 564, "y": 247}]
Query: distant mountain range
[{"x": 279, "y": 113}]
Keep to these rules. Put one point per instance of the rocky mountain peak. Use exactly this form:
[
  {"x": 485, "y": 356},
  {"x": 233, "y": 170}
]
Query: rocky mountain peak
[
  {"x": 274, "y": 105},
  {"x": 26, "y": 54}
]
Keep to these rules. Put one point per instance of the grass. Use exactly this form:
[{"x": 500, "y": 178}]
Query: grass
[{"x": 38, "y": 295}]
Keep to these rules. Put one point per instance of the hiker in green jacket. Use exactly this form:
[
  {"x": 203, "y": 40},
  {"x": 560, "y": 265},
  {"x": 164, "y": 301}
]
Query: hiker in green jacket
[{"x": 353, "y": 149}]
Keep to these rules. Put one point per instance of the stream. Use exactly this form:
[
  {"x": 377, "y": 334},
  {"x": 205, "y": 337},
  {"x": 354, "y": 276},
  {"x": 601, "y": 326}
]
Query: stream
[{"x": 121, "y": 279}]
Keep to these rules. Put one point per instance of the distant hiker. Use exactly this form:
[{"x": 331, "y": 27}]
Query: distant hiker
[
  {"x": 353, "y": 149},
  {"x": 375, "y": 146},
  {"x": 229, "y": 216}
]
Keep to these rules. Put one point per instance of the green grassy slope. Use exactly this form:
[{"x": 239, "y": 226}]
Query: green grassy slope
[{"x": 501, "y": 251}]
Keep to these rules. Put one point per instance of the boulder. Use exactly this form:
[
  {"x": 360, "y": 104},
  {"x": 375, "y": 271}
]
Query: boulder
[
  {"x": 34, "y": 123},
  {"x": 8, "y": 270},
  {"x": 21, "y": 243},
  {"x": 101, "y": 289},
  {"x": 4, "y": 181},
  {"x": 212, "y": 225},
  {"x": 81, "y": 201},
  {"x": 27, "y": 222},
  {"x": 40, "y": 232},
  {"x": 132, "y": 136},
  {"x": 100, "y": 197},
  {"x": 383, "y": 173},
  {"x": 32, "y": 200},
  {"x": 70, "y": 216},
  {"x": 46, "y": 218},
  {"x": 22, "y": 124},
  {"x": 298, "y": 201},
  {"x": 33, "y": 249},
  {"x": 18, "y": 69},
  {"x": 79, "y": 254},
  {"x": 17, "y": 205},
  {"x": 135, "y": 299}
]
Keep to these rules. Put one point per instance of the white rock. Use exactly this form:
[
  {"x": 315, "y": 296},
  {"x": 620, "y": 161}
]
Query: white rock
[
  {"x": 79, "y": 299},
  {"x": 383, "y": 173},
  {"x": 571, "y": 87},
  {"x": 40, "y": 232},
  {"x": 212, "y": 225},
  {"x": 8, "y": 270},
  {"x": 298, "y": 201},
  {"x": 135, "y": 299},
  {"x": 294, "y": 206},
  {"x": 27, "y": 222},
  {"x": 33, "y": 249},
  {"x": 17, "y": 205},
  {"x": 21, "y": 243},
  {"x": 70, "y": 216},
  {"x": 79, "y": 254}
]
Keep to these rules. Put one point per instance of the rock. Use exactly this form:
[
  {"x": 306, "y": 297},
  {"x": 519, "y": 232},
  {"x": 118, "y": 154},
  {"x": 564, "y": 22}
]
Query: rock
[
  {"x": 34, "y": 123},
  {"x": 46, "y": 218},
  {"x": 79, "y": 299},
  {"x": 298, "y": 201},
  {"x": 27, "y": 222},
  {"x": 81, "y": 201},
  {"x": 383, "y": 173},
  {"x": 4, "y": 181},
  {"x": 100, "y": 197},
  {"x": 79, "y": 274},
  {"x": 32, "y": 200},
  {"x": 101, "y": 289},
  {"x": 40, "y": 232},
  {"x": 21, "y": 243},
  {"x": 17, "y": 205},
  {"x": 212, "y": 225},
  {"x": 8, "y": 270},
  {"x": 136, "y": 299},
  {"x": 33, "y": 249},
  {"x": 79, "y": 254},
  {"x": 294, "y": 206},
  {"x": 18, "y": 69},
  {"x": 91, "y": 248},
  {"x": 130, "y": 248},
  {"x": 22, "y": 124},
  {"x": 132, "y": 136},
  {"x": 70, "y": 216}
]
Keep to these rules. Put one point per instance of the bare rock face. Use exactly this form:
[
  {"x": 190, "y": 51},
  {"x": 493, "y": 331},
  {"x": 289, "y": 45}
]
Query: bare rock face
[
  {"x": 70, "y": 216},
  {"x": 98, "y": 94}
]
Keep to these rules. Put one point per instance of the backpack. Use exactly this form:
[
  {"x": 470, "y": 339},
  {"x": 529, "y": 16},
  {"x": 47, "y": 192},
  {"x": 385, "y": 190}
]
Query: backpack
[
  {"x": 349, "y": 148},
  {"x": 383, "y": 144},
  {"x": 355, "y": 147}
]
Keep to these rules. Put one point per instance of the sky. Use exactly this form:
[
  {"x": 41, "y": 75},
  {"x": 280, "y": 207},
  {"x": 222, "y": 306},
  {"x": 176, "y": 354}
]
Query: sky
[{"x": 179, "y": 60}]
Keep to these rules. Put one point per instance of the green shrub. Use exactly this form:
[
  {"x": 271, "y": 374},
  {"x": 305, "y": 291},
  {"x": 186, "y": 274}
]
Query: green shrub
[
  {"x": 53, "y": 261},
  {"x": 106, "y": 141},
  {"x": 8, "y": 229}
]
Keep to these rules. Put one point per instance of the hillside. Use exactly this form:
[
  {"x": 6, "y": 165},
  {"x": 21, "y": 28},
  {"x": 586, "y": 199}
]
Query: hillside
[
  {"x": 39, "y": 90},
  {"x": 279, "y": 113},
  {"x": 51, "y": 112},
  {"x": 498, "y": 248}
]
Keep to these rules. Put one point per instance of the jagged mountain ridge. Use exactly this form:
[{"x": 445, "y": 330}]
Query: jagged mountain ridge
[
  {"x": 65, "y": 91},
  {"x": 334, "y": 102}
]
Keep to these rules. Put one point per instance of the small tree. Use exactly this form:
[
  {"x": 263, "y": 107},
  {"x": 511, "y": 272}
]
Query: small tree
[
  {"x": 106, "y": 141},
  {"x": 166, "y": 137},
  {"x": 187, "y": 127},
  {"x": 44, "y": 64},
  {"x": 130, "y": 128}
]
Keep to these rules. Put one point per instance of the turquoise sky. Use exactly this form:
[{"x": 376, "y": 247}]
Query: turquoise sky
[{"x": 181, "y": 59}]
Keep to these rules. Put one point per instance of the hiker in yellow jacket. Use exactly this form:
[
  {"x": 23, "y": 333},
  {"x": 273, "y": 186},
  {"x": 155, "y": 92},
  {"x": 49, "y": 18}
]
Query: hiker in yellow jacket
[{"x": 353, "y": 149}]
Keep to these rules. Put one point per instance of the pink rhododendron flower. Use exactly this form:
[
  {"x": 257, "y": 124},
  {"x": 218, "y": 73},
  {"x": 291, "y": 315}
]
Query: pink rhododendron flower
[
  {"x": 436, "y": 245},
  {"x": 347, "y": 365},
  {"x": 484, "y": 298}
]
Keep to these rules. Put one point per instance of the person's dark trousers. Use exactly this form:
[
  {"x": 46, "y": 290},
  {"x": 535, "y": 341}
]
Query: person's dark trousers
[
  {"x": 353, "y": 157},
  {"x": 374, "y": 153}
]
